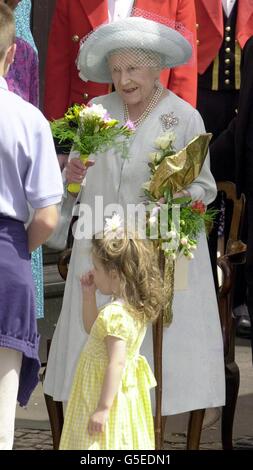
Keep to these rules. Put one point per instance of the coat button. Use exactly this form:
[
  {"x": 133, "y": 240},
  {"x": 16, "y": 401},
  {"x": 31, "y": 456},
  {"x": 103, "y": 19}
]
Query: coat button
[
  {"x": 227, "y": 82},
  {"x": 227, "y": 39},
  {"x": 75, "y": 38},
  {"x": 228, "y": 28},
  {"x": 227, "y": 61},
  {"x": 85, "y": 96},
  {"x": 227, "y": 50}
]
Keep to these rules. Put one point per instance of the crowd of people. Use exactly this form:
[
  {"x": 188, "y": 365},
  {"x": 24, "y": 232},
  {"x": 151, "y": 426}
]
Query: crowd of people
[{"x": 170, "y": 66}]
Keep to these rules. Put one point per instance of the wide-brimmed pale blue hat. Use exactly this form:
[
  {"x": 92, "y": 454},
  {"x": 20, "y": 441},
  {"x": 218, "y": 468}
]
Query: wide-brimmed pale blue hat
[{"x": 130, "y": 33}]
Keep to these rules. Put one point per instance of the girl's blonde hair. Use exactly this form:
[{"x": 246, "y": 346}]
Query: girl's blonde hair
[{"x": 136, "y": 262}]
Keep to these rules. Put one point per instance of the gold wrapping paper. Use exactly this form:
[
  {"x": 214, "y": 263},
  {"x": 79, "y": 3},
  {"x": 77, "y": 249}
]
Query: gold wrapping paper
[{"x": 178, "y": 171}]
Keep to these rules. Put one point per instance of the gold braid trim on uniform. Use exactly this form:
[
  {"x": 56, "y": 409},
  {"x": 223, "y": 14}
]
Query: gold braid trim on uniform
[
  {"x": 238, "y": 53},
  {"x": 215, "y": 74}
]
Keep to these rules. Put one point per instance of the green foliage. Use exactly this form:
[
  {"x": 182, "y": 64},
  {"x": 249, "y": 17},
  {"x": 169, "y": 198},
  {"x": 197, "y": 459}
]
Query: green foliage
[{"x": 90, "y": 129}]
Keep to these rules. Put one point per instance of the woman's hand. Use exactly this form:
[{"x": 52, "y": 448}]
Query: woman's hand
[
  {"x": 87, "y": 283},
  {"x": 97, "y": 421},
  {"x": 62, "y": 159},
  {"x": 76, "y": 170},
  {"x": 183, "y": 193}
]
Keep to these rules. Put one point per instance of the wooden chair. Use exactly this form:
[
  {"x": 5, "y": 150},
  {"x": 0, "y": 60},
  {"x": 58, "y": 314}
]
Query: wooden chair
[
  {"x": 234, "y": 253},
  {"x": 55, "y": 412},
  {"x": 55, "y": 408}
]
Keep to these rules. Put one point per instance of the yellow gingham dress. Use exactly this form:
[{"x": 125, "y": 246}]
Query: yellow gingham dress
[{"x": 130, "y": 423}]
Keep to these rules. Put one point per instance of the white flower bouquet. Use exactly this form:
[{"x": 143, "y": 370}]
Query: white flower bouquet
[{"x": 90, "y": 129}]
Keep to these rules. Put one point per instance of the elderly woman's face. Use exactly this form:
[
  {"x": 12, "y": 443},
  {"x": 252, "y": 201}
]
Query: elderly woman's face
[{"x": 134, "y": 83}]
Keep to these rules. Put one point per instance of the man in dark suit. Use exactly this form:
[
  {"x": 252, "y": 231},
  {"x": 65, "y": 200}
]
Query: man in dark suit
[
  {"x": 222, "y": 30},
  {"x": 232, "y": 158}
]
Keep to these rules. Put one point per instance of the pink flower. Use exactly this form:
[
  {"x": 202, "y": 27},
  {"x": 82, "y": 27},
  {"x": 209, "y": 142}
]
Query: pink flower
[{"x": 130, "y": 125}]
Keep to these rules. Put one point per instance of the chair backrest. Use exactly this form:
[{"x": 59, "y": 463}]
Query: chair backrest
[
  {"x": 234, "y": 253},
  {"x": 236, "y": 217}
]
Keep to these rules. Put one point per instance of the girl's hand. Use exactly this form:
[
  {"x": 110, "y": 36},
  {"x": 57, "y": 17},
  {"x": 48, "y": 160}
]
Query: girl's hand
[
  {"x": 76, "y": 170},
  {"x": 87, "y": 283},
  {"x": 97, "y": 421}
]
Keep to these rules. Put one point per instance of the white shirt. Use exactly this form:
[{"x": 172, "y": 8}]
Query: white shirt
[
  {"x": 119, "y": 9},
  {"x": 228, "y": 6},
  {"x": 29, "y": 169}
]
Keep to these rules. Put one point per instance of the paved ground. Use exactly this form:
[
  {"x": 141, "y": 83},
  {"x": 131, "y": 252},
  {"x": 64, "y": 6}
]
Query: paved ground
[{"x": 33, "y": 432}]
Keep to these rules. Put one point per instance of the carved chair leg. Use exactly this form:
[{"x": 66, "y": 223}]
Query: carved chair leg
[
  {"x": 55, "y": 413},
  {"x": 194, "y": 429},
  {"x": 228, "y": 411},
  {"x": 164, "y": 418}
]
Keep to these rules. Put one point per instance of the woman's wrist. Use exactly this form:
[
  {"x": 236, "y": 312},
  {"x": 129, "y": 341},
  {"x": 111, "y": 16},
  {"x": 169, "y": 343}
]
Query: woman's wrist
[{"x": 181, "y": 193}]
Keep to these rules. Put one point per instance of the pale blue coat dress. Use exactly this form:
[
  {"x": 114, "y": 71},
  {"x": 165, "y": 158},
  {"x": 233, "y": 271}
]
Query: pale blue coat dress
[{"x": 193, "y": 361}]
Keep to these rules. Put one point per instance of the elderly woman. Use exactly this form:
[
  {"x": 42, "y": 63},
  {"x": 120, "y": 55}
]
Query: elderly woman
[{"x": 131, "y": 54}]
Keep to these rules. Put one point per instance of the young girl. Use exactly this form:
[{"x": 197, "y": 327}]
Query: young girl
[{"x": 109, "y": 405}]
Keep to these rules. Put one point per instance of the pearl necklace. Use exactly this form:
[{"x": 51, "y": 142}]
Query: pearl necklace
[{"x": 152, "y": 104}]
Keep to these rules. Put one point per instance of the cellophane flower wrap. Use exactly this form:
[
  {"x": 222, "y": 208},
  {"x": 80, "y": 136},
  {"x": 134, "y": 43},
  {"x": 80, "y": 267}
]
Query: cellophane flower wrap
[
  {"x": 175, "y": 222},
  {"x": 89, "y": 130}
]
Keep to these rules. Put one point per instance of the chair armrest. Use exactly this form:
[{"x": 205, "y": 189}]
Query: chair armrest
[
  {"x": 63, "y": 263},
  {"x": 227, "y": 263},
  {"x": 236, "y": 252}
]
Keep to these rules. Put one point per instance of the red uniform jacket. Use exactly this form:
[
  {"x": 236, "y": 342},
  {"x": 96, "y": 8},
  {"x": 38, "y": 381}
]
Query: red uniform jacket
[
  {"x": 210, "y": 28},
  {"x": 72, "y": 20}
]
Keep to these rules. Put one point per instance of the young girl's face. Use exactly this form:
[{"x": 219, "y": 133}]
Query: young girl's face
[{"x": 106, "y": 282}]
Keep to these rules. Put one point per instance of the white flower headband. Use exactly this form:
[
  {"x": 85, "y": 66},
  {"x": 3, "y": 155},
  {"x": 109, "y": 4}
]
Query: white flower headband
[{"x": 114, "y": 227}]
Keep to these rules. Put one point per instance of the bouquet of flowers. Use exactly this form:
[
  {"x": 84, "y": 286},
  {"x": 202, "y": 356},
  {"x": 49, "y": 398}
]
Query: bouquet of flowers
[
  {"x": 174, "y": 223},
  {"x": 176, "y": 220},
  {"x": 90, "y": 129}
]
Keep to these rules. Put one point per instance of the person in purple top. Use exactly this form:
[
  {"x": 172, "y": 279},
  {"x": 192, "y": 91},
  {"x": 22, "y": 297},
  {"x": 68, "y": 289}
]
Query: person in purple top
[
  {"x": 23, "y": 76},
  {"x": 30, "y": 177}
]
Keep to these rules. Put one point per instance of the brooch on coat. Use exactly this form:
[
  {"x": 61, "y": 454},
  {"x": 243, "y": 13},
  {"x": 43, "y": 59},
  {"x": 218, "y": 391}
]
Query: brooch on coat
[{"x": 169, "y": 120}]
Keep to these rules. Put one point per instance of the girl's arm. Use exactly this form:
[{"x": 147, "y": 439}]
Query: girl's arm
[
  {"x": 90, "y": 311},
  {"x": 43, "y": 223},
  {"x": 116, "y": 349}
]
